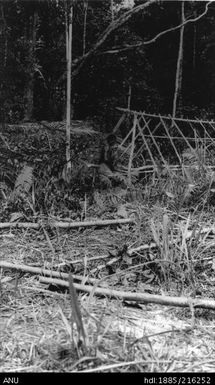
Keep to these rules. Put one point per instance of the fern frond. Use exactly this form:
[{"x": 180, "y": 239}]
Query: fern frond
[
  {"x": 99, "y": 199},
  {"x": 120, "y": 177},
  {"x": 105, "y": 180},
  {"x": 23, "y": 182}
]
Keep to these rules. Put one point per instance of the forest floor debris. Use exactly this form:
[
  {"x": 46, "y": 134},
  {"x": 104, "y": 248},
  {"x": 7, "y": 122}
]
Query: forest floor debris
[
  {"x": 167, "y": 249},
  {"x": 121, "y": 338}
]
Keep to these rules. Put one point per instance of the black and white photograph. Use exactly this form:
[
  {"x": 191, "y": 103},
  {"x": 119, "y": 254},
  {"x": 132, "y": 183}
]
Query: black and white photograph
[{"x": 107, "y": 190}]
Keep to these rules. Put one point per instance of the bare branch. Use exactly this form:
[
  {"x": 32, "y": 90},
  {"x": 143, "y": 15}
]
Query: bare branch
[
  {"x": 111, "y": 28},
  {"x": 66, "y": 225},
  {"x": 179, "y": 67},
  {"x": 203, "y": 303},
  {"x": 153, "y": 40}
]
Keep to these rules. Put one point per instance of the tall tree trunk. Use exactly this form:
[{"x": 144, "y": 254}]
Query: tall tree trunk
[
  {"x": 112, "y": 12},
  {"x": 69, "y": 25},
  {"x": 3, "y": 32},
  {"x": 194, "y": 46},
  {"x": 85, "y": 26},
  {"x": 129, "y": 97},
  {"x": 3, "y": 64},
  {"x": 177, "y": 100},
  {"x": 30, "y": 70}
]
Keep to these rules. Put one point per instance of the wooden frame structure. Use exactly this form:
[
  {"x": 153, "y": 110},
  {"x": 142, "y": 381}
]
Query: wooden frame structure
[{"x": 154, "y": 142}]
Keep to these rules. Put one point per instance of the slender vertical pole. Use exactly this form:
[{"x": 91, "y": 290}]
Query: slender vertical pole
[
  {"x": 129, "y": 97},
  {"x": 112, "y": 12},
  {"x": 132, "y": 149},
  {"x": 85, "y": 26},
  {"x": 178, "y": 77},
  {"x": 68, "y": 92}
]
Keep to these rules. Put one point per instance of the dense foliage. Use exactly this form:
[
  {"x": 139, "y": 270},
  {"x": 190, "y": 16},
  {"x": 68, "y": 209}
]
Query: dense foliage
[{"x": 33, "y": 60}]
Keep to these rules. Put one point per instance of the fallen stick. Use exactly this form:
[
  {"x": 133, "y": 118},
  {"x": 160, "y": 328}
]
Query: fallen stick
[
  {"x": 40, "y": 271},
  {"x": 137, "y": 297},
  {"x": 141, "y": 248},
  {"x": 66, "y": 225},
  {"x": 130, "y": 252}
]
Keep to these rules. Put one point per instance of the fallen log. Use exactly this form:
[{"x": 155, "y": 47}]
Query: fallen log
[
  {"x": 135, "y": 297},
  {"x": 43, "y": 272},
  {"x": 66, "y": 225}
]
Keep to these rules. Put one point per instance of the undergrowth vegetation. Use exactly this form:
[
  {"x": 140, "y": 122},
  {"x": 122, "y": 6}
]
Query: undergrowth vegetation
[
  {"x": 32, "y": 175},
  {"x": 168, "y": 250}
]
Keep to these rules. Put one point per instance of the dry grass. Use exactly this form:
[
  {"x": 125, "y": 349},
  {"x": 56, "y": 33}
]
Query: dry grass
[
  {"x": 35, "y": 338},
  {"x": 36, "y": 332}
]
